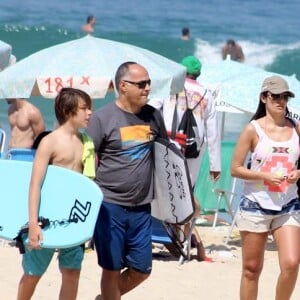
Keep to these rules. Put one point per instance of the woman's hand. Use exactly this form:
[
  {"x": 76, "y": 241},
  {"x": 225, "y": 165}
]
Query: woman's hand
[
  {"x": 292, "y": 177},
  {"x": 274, "y": 179}
]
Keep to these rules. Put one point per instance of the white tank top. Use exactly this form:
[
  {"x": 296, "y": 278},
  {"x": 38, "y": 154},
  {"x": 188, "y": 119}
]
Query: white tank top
[{"x": 275, "y": 157}]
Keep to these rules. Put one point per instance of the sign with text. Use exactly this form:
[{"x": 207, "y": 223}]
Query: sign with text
[{"x": 96, "y": 87}]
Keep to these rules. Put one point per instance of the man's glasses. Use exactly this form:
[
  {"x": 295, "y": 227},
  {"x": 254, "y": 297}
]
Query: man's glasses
[
  {"x": 140, "y": 84},
  {"x": 278, "y": 97}
]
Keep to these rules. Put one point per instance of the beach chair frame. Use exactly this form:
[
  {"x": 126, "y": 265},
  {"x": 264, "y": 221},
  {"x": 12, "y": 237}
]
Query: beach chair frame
[
  {"x": 173, "y": 238},
  {"x": 2, "y": 142},
  {"x": 217, "y": 197}
]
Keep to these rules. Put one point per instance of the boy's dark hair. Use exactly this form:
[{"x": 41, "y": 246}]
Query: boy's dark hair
[{"x": 66, "y": 103}]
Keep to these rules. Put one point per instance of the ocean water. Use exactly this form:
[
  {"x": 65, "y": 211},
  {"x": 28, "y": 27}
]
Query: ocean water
[{"x": 267, "y": 30}]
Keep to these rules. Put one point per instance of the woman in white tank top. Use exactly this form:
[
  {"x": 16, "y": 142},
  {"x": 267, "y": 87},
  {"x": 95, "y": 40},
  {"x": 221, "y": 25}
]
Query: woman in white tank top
[{"x": 269, "y": 203}]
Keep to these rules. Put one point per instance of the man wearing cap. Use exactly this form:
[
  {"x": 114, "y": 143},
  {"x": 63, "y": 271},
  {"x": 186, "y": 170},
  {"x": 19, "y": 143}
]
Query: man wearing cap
[
  {"x": 269, "y": 202},
  {"x": 205, "y": 115}
]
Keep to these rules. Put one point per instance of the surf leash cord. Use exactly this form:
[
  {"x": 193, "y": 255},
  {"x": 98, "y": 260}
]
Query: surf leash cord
[{"x": 43, "y": 223}]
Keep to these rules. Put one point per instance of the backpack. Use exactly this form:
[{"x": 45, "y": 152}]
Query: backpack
[{"x": 187, "y": 134}]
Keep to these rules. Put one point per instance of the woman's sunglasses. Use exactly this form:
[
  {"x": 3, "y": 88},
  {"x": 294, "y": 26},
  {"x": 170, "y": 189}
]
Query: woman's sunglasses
[{"x": 278, "y": 97}]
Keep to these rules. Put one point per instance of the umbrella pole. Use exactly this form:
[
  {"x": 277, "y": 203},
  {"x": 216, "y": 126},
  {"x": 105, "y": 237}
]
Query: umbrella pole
[{"x": 222, "y": 125}]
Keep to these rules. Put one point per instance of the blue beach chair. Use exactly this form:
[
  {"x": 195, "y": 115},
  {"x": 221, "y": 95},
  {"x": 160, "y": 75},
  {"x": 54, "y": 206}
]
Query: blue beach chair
[{"x": 23, "y": 154}]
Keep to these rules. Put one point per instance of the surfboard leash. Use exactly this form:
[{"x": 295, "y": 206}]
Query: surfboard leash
[{"x": 43, "y": 223}]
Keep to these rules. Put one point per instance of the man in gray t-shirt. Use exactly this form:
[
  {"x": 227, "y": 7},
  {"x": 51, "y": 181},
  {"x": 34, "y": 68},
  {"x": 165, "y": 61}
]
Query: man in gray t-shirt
[{"x": 123, "y": 134}]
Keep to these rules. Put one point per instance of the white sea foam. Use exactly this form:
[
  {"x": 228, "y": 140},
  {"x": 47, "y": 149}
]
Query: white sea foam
[{"x": 258, "y": 55}]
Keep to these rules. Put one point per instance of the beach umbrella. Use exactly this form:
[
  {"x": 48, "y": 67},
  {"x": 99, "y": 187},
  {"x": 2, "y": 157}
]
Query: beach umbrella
[
  {"x": 242, "y": 92},
  {"x": 236, "y": 87},
  {"x": 213, "y": 75},
  {"x": 6, "y": 57},
  {"x": 88, "y": 63}
]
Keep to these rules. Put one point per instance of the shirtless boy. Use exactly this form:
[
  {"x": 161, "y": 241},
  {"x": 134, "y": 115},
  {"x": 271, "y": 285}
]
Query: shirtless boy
[
  {"x": 26, "y": 123},
  {"x": 62, "y": 147}
]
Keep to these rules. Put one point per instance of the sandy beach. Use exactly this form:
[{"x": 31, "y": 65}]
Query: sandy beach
[{"x": 192, "y": 280}]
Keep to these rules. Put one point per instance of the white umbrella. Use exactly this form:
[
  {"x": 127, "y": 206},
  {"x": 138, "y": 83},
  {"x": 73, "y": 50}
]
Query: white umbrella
[
  {"x": 213, "y": 75},
  {"x": 6, "y": 57},
  {"x": 88, "y": 63},
  {"x": 236, "y": 87},
  {"x": 242, "y": 92}
]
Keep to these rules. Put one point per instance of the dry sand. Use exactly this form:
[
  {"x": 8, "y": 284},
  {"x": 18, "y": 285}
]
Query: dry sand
[{"x": 169, "y": 281}]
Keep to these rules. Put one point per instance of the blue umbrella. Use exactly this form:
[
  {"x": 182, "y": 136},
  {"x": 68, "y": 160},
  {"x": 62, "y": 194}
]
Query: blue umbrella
[{"x": 88, "y": 63}]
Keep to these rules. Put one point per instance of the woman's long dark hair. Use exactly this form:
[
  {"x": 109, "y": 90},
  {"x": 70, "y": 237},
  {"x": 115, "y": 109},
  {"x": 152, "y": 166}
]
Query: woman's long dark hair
[{"x": 261, "y": 109}]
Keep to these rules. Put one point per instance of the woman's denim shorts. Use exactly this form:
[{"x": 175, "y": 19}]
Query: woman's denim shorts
[{"x": 252, "y": 217}]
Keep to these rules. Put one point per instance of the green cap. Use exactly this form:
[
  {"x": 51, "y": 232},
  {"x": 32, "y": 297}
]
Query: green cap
[{"x": 192, "y": 64}]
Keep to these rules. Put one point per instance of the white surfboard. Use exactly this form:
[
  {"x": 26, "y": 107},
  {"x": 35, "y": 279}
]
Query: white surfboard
[
  {"x": 173, "y": 201},
  {"x": 69, "y": 201}
]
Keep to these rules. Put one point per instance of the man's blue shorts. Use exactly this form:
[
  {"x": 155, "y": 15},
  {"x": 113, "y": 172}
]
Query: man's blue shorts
[
  {"x": 123, "y": 237},
  {"x": 36, "y": 262}
]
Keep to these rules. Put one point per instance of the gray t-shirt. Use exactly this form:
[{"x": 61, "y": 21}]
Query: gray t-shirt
[{"x": 123, "y": 142}]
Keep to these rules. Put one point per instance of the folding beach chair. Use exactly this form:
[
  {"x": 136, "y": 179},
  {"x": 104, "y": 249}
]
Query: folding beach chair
[
  {"x": 173, "y": 238},
  {"x": 2, "y": 142},
  {"x": 216, "y": 197}
]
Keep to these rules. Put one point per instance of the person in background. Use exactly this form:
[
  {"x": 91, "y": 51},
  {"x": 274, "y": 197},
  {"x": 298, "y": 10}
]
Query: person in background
[
  {"x": 207, "y": 122},
  {"x": 123, "y": 132},
  {"x": 63, "y": 147},
  {"x": 185, "y": 33},
  {"x": 269, "y": 203},
  {"x": 233, "y": 50},
  {"x": 26, "y": 123},
  {"x": 89, "y": 26}
]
